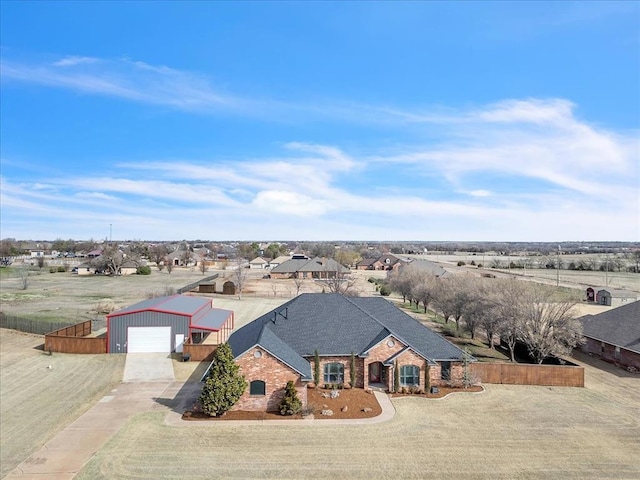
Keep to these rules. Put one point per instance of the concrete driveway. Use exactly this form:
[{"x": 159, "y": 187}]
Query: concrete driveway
[{"x": 148, "y": 367}]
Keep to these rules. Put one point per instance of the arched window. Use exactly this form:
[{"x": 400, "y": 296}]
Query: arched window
[
  {"x": 409, "y": 375},
  {"x": 333, "y": 373},
  {"x": 257, "y": 387}
]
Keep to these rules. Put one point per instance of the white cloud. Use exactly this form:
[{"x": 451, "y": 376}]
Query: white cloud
[
  {"x": 73, "y": 60},
  {"x": 289, "y": 203}
]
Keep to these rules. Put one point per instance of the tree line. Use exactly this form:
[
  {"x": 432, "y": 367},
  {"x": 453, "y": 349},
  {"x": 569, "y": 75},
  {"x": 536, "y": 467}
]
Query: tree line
[{"x": 516, "y": 311}]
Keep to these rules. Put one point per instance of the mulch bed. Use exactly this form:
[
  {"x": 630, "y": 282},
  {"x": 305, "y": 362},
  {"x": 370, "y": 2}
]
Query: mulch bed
[
  {"x": 355, "y": 400},
  {"x": 443, "y": 392}
]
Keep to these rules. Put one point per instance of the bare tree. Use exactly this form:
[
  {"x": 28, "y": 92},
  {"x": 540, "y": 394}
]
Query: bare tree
[
  {"x": 341, "y": 282},
  {"x": 509, "y": 312},
  {"x": 274, "y": 289},
  {"x": 401, "y": 282},
  {"x": 549, "y": 328},
  {"x": 298, "y": 282},
  {"x": 169, "y": 264},
  {"x": 239, "y": 278},
  {"x": 23, "y": 275},
  {"x": 203, "y": 266},
  {"x": 424, "y": 289},
  {"x": 158, "y": 254},
  {"x": 41, "y": 262}
]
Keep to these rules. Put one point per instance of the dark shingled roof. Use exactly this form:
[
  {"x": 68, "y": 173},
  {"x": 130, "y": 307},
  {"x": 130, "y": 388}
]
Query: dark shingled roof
[
  {"x": 618, "y": 326},
  {"x": 336, "y": 325}
]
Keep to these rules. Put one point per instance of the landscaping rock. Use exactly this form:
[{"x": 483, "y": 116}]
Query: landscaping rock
[
  {"x": 327, "y": 413},
  {"x": 367, "y": 410},
  {"x": 344, "y": 409},
  {"x": 335, "y": 393}
]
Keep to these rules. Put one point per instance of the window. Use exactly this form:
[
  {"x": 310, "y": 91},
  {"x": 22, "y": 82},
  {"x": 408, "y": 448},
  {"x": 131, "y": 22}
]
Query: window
[
  {"x": 409, "y": 375},
  {"x": 257, "y": 387},
  {"x": 333, "y": 373},
  {"x": 445, "y": 371}
]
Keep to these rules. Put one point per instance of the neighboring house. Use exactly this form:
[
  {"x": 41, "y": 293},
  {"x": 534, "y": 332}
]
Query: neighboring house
[
  {"x": 427, "y": 266},
  {"x": 385, "y": 262},
  {"x": 279, "y": 346},
  {"x": 86, "y": 269},
  {"x": 258, "y": 263},
  {"x": 128, "y": 268},
  {"x": 163, "y": 324},
  {"x": 366, "y": 264},
  {"x": 279, "y": 260},
  {"x": 310, "y": 268},
  {"x": 614, "y": 335},
  {"x": 612, "y": 298},
  {"x": 182, "y": 258}
]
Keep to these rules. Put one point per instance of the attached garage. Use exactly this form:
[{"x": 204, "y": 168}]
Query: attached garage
[
  {"x": 149, "y": 340},
  {"x": 166, "y": 324}
]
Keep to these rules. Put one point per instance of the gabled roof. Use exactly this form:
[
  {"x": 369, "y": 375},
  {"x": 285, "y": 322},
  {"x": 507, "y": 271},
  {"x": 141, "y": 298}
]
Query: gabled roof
[
  {"x": 280, "y": 259},
  {"x": 337, "y": 325},
  {"x": 617, "y": 293},
  {"x": 316, "y": 264},
  {"x": 619, "y": 326},
  {"x": 175, "y": 304},
  {"x": 428, "y": 267},
  {"x": 367, "y": 262},
  {"x": 259, "y": 260}
]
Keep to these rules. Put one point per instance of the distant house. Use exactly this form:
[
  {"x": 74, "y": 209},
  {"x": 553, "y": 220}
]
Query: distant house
[
  {"x": 86, "y": 269},
  {"x": 316, "y": 268},
  {"x": 614, "y": 335},
  {"x": 610, "y": 297},
  {"x": 128, "y": 268},
  {"x": 258, "y": 263},
  {"x": 385, "y": 262},
  {"x": 279, "y": 346}
]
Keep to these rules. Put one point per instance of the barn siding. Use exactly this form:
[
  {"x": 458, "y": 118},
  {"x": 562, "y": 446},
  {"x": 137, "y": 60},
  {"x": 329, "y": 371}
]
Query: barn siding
[{"x": 118, "y": 326}]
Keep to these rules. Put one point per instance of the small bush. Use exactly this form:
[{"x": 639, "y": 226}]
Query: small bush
[
  {"x": 384, "y": 290},
  {"x": 290, "y": 404},
  {"x": 480, "y": 265},
  {"x": 144, "y": 270},
  {"x": 461, "y": 263},
  {"x": 53, "y": 269},
  {"x": 62, "y": 269}
]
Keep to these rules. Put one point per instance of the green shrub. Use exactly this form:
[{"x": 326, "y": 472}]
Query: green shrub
[
  {"x": 352, "y": 371},
  {"x": 290, "y": 404},
  {"x": 461, "y": 263},
  {"x": 316, "y": 368},
  {"x": 144, "y": 270},
  {"x": 53, "y": 269},
  {"x": 62, "y": 269},
  {"x": 427, "y": 378},
  {"x": 384, "y": 290},
  {"x": 396, "y": 378}
]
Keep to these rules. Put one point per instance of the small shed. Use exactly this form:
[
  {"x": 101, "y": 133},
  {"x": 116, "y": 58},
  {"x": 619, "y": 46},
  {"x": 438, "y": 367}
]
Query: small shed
[
  {"x": 615, "y": 298},
  {"x": 164, "y": 324}
]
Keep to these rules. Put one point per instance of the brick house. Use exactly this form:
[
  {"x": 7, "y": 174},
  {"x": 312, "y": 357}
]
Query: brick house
[
  {"x": 280, "y": 345},
  {"x": 385, "y": 262},
  {"x": 614, "y": 335},
  {"x": 316, "y": 268}
]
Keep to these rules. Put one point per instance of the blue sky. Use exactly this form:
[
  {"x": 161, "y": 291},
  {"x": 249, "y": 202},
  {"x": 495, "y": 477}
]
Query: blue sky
[{"x": 320, "y": 121}]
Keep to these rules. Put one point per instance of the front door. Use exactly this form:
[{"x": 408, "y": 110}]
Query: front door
[{"x": 375, "y": 372}]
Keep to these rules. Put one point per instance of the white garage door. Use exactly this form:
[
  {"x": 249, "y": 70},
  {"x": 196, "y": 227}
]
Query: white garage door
[{"x": 148, "y": 339}]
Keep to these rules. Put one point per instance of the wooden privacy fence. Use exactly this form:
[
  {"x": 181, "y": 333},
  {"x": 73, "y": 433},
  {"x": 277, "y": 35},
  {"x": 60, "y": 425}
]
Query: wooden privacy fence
[
  {"x": 199, "y": 352},
  {"x": 527, "y": 374},
  {"x": 74, "y": 339}
]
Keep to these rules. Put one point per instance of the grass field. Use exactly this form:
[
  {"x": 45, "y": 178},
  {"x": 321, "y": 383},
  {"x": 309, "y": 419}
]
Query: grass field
[
  {"x": 507, "y": 432},
  {"x": 35, "y": 401}
]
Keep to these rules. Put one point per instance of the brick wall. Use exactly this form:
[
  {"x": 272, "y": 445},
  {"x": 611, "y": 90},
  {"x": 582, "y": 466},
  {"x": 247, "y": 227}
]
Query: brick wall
[
  {"x": 380, "y": 353},
  {"x": 346, "y": 362},
  {"x": 607, "y": 352},
  {"x": 274, "y": 373}
]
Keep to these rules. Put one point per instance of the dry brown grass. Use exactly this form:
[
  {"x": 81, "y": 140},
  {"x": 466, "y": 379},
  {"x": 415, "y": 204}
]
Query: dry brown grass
[
  {"x": 507, "y": 432},
  {"x": 36, "y": 402}
]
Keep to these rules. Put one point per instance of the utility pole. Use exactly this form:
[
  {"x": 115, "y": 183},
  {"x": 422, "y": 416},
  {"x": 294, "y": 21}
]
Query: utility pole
[
  {"x": 110, "y": 232},
  {"x": 558, "y": 269}
]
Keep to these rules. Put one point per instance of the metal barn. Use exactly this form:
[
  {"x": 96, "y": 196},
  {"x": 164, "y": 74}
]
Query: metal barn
[{"x": 164, "y": 324}]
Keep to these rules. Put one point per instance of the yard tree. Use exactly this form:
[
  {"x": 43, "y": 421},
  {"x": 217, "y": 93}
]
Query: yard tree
[
  {"x": 169, "y": 264},
  {"x": 202, "y": 266},
  {"x": 509, "y": 312},
  {"x": 298, "y": 282},
  {"x": 423, "y": 289},
  {"x": 158, "y": 253},
  {"x": 341, "y": 282},
  {"x": 224, "y": 385},
  {"x": 239, "y": 278},
  {"x": 549, "y": 327},
  {"x": 401, "y": 282}
]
